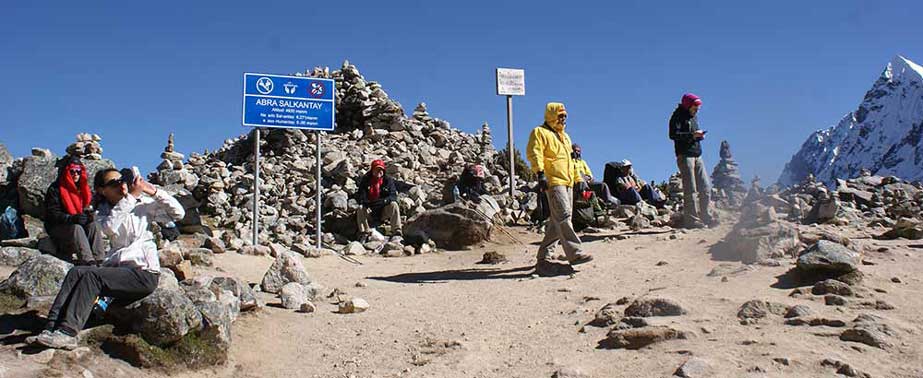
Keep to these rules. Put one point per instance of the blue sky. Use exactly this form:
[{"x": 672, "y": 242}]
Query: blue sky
[{"x": 768, "y": 72}]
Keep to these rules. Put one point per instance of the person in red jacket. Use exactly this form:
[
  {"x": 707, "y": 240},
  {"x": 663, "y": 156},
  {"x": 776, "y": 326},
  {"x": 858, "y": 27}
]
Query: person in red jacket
[
  {"x": 378, "y": 201},
  {"x": 69, "y": 215}
]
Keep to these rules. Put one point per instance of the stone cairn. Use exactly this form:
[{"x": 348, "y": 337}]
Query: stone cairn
[
  {"x": 171, "y": 170},
  {"x": 726, "y": 179},
  {"x": 86, "y": 147},
  {"x": 422, "y": 152}
]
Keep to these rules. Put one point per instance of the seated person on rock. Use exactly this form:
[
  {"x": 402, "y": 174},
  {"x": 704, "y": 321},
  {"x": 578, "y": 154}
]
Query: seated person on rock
[
  {"x": 632, "y": 190},
  {"x": 131, "y": 269},
  {"x": 69, "y": 215},
  {"x": 598, "y": 187},
  {"x": 470, "y": 185},
  {"x": 377, "y": 202}
]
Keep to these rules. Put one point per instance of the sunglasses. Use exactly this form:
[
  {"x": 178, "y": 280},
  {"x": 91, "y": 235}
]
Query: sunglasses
[
  {"x": 76, "y": 171},
  {"x": 113, "y": 182}
]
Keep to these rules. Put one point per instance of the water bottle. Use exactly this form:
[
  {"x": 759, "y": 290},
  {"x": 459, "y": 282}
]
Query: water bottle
[
  {"x": 456, "y": 195},
  {"x": 101, "y": 305}
]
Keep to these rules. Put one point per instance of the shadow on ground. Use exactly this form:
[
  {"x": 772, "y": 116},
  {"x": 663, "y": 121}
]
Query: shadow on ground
[{"x": 460, "y": 275}]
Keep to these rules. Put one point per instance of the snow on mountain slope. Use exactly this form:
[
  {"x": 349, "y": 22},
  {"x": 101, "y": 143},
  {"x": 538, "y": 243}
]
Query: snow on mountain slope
[{"x": 884, "y": 135}]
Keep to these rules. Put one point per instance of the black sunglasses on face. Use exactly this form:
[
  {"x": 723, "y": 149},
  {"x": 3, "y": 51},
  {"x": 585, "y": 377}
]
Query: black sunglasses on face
[
  {"x": 76, "y": 171},
  {"x": 113, "y": 182}
]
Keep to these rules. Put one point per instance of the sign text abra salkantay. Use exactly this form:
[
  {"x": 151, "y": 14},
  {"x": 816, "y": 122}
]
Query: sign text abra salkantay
[{"x": 288, "y": 102}]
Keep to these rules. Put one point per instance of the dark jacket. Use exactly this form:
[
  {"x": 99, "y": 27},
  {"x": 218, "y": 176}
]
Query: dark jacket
[
  {"x": 470, "y": 187},
  {"x": 55, "y": 214},
  {"x": 388, "y": 192},
  {"x": 682, "y": 131}
]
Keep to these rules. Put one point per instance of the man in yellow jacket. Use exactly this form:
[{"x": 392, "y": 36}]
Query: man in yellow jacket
[{"x": 549, "y": 153}]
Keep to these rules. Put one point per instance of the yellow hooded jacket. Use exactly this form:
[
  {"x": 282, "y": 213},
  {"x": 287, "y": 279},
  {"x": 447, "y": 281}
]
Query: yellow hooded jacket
[
  {"x": 583, "y": 169},
  {"x": 549, "y": 150}
]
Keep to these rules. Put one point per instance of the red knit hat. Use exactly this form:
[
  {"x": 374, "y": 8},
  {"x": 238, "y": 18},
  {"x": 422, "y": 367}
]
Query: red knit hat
[
  {"x": 378, "y": 163},
  {"x": 689, "y": 100}
]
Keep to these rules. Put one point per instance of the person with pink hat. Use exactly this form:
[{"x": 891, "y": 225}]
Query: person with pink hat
[{"x": 687, "y": 137}]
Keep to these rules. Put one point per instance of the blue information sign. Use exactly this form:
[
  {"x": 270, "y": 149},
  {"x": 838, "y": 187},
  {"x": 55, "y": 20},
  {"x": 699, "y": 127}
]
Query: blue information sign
[{"x": 288, "y": 102}]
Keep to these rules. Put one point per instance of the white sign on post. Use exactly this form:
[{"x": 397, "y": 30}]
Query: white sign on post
[{"x": 511, "y": 82}]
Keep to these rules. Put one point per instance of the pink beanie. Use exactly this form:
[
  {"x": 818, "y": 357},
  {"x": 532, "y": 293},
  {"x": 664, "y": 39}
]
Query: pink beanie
[{"x": 690, "y": 99}]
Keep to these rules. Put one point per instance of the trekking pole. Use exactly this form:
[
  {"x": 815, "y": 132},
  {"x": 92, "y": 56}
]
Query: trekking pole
[
  {"x": 499, "y": 226},
  {"x": 342, "y": 256}
]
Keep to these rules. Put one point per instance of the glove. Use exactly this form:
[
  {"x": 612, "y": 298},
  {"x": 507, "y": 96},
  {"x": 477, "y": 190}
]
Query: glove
[
  {"x": 581, "y": 187},
  {"x": 542, "y": 181},
  {"x": 81, "y": 219}
]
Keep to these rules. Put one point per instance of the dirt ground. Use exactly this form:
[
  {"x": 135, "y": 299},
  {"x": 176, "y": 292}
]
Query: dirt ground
[{"x": 443, "y": 315}]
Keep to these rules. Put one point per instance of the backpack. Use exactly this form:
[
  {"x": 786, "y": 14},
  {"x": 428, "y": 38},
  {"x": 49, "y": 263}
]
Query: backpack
[
  {"x": 588, "y": 212},
  {"x": 10, "y": 224}
]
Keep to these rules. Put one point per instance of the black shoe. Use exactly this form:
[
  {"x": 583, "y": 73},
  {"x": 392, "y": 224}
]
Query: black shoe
[{"x": 545, "y": 268}]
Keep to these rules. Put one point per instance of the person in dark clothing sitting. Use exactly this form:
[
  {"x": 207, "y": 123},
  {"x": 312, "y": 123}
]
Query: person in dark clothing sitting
[
  {"x": 69, "y": 215},
  {"x": 378, "y": 201},
  {"x": 470, "y": 185},
  {"x": 631, "y": 189},
  {"x": 131, "y": 269}
]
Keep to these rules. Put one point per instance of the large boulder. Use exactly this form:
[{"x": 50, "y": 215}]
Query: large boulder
[
  {"x": 828, "y": 257},
  {"x": 287, "y": 268},
  {"x": 907, "y": 228},
  {"x": 38, "y": 174},
  {"x": 161, "y": 318},
  {"x": 40, "y": 275},
  {"x": 14, "y": 256},
  {"x": 239, "y": 289},
  {"x": 453, "y": 226}
]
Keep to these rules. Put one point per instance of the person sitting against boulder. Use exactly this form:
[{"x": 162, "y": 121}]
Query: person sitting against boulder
[
  {"x": 632, "y": 190},
  {"x": 69, "y": 215},
  {"x": 470, "y": 185},
  {"x": 598, "y": 187},
  {"x": 378, "y": 201},
  {"x": 131, "y": 269}
]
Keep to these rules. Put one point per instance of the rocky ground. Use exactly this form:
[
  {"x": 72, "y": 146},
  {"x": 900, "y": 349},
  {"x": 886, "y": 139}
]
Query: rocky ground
[{"x": 444, "y": 315}]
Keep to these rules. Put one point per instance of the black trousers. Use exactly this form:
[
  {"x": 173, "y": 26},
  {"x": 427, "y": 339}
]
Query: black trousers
[
  {"x": 81, "y": 286},
  {"x": 84, "y": 241}
]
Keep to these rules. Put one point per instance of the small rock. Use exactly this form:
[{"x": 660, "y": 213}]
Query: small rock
[
  {"x": 308, "y": 307},
  {"x": 645, "y": 307},
  {"x": 896, "y": 280},
  {"x": 640, "y": 337},
  {"x": 783, "y": 361},
  {"x": 758, "y": 309},
  {"x": 569, "y": 373},
  {"x": 831, "y": 287},
  {"x": 493, "y": 258},
  {"x": 835, "y": 300},
  {"x": 693, "y": 368},
  {"x": 606, "y": 316},
  {"x": 353, "y": 305},
  {"x": 798, "y": 311}
]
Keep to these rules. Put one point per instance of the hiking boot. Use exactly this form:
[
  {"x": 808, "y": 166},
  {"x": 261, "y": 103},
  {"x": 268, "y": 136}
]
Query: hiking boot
[
  {"x": 581, "y": 258},
  {"x": 57, "y": 340},
  {"x": 545, "y": 268},
  {"x": 693, "y": 224},
  {"x": 34, "y": 339}
]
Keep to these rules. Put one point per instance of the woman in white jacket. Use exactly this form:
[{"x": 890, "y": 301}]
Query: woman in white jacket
[{"x": 131, "y": 269}]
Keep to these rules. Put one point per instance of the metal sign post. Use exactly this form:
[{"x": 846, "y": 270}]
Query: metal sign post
[
  {"x": 288, "y": 102},
  {"x": 256, "y": 186},
  {"x": 317, "y": 180},
  {"x": 511, "y": 82}
]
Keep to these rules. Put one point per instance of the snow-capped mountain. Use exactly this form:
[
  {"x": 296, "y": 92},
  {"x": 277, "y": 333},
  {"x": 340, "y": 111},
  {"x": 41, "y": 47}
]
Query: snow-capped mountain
[{"x": 884, "y": 135}]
